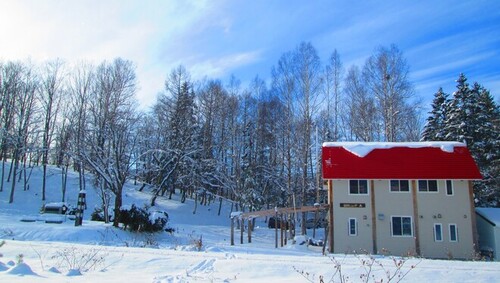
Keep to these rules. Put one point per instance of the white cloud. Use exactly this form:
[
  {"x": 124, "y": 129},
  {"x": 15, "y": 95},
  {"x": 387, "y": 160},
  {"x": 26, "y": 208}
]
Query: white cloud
[{"x": 216, "y": 67}]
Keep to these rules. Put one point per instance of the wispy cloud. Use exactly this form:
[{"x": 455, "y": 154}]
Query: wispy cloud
[{"x": 217, "y": 67}]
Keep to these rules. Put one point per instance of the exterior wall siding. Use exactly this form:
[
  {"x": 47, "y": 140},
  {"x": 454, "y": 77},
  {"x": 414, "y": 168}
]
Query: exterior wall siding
[{"x": 432, "y": 208}]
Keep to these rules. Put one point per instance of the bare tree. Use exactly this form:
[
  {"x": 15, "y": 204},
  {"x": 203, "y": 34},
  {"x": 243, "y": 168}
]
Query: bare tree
[
  {"x": 23, "y": 107},
  {"x": 308, "y": 77},
  {"x": 50, "y": 96},
  {"x": 332, "y": 81},
  {"x": 361, "y": 110},
  {"x": 11, "y": 76},
  {"x": 111, "y": 138},
  {"x": 386, "y": 75},
  {"x": 80, "y": 88}
]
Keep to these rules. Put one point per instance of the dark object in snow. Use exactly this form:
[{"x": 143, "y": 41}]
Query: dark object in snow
[
  {"x": 276, "y": 223},
  {"x": 55, "y": 208},
  {"x": 315, "y": 243},
  {"x": 312, "y": 223},
  {"x": 141, "y": 220}
]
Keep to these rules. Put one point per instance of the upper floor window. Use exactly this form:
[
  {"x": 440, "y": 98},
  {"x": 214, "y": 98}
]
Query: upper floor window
[
  {"x": 449, "y": 187},
  {"x": 400, "y": 186},
  {"x": 358, "y": 187},
  {"x": 427, "y": 186}
]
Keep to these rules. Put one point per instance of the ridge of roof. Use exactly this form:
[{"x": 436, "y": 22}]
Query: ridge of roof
[{"x": 361, "y": 149}]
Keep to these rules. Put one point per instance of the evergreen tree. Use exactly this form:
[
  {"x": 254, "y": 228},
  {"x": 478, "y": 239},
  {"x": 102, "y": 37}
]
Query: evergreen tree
[
  {"x": 471, "y": 116},
  {"x": 434, "y": 126},
  {"x": 486, "y": 148},
  {"x": 458, "y": 123}
]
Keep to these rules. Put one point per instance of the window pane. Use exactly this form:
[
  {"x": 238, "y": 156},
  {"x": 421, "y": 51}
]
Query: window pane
[
  {"x": 453, "y": 233},
  {"x": 422, "y": 185},
  {"x": 404, "y": 186},
  {"x": 352, "y": 227},
  {"x": 449, "y": 187},
  {"x": 396, "y": 226},
  {"x": 406, "y": 226},
  {"x": 394, "y": 185},
  {"x": 438, "y": 232},
  {"x": 363, "y": 187},
  {"x": 353, "y": 186},
  {"x": 433, "y": 186}
]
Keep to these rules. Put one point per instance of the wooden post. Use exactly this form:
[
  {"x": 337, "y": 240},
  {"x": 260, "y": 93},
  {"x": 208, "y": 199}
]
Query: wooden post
[
  {"x": 220, "y": 206},
  {"x": 282, "y": 227},
  {"x": 232, "y": 231},
  {"x": 80, "y": 207},
  {"x": 242, "y": 229},
  {"x": 250, "y": 230},
  {"x": 416, "y": 235},
  {"x": 330, "y": 216},
  {"x": 374, "y": 217},
  {"x": 473, "y": 217},
  {"x": 276, "y": 227}
]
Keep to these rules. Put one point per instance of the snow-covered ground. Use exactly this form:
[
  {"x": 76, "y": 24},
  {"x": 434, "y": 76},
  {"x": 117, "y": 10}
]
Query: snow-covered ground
[{"x": 97, "y": 252}]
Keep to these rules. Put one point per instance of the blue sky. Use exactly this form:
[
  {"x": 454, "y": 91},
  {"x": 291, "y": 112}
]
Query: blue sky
[{"x": 216, "y": 39}]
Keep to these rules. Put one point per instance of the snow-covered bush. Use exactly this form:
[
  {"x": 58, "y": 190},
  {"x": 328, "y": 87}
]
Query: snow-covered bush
[
  {"x": 138, "y": 219},
  {"x": 98, "y": 215}
]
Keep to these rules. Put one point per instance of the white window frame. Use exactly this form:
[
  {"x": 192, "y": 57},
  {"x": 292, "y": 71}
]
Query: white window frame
[
  {"x": 446, "y": 187},
  {"x": 440, "y": 232},
  {"x": 349, "y": 223},
  {"x": 399, "y": 186},
  {"x": 359, "y": 194},
  {"x": 455, "y": 230},
  {"x": 427, "y": 190},
  {"x": 402, "y": 230}
]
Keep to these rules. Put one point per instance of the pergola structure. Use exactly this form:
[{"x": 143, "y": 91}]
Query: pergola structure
[{"x": 278, "y": 213}]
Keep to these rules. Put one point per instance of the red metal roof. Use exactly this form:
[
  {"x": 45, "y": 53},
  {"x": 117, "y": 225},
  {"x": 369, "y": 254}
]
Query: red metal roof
[{"x": 399, "y": 162}]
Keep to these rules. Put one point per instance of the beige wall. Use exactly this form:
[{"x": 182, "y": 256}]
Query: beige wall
[{"x": 453, "y": 209}]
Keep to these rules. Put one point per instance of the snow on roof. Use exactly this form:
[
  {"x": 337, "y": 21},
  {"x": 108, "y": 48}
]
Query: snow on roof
[
  {"x": 490, "y": 213},
  {"x": 362, "y": 149}
]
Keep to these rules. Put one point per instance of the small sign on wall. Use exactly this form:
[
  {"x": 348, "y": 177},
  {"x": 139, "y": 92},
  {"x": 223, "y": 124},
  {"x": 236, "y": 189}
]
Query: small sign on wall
[{"x": 352, "y": 205}]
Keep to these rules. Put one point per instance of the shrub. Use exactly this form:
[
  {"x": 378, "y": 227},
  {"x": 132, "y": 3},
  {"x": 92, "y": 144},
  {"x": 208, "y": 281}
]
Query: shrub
[
  {"x": 98, "y": 215},
  {"x": 141, "y": 220}
]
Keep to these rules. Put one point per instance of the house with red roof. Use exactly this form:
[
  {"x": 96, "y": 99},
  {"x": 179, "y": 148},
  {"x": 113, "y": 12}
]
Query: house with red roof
[{"x": 401, "y": 198}]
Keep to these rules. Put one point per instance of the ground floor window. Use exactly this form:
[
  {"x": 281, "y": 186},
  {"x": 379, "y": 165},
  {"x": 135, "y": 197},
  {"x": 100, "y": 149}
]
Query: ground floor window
[
  {"x": 353, "y": 227},
  {"x": 453, "y": 233},
  {"x": 402, "y": 226},
  {"x": 438, "y": 232}
]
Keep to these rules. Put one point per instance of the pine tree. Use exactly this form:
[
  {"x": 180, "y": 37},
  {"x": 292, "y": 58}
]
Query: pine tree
[
  {"x": 458, "y": 123},
  {"x": 486, "y": 149},
  {"x": 471, "y": 116},
  {"x": 434, "y": 127}
]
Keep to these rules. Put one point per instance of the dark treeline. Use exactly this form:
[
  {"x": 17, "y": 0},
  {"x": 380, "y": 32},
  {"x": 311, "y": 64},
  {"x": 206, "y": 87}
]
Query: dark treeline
[{"x": 256, "y": 145}]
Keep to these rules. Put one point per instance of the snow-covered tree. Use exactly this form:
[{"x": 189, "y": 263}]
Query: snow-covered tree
[
  {"x": 434, "y": 127},
  {"x": 471, "y": 116}
]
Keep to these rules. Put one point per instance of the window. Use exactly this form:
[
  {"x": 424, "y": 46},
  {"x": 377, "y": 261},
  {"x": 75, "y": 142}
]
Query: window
[
  {"x": 427, "y": 186},
  {"x": 353, "y": 227},
  {"x": 438, "y": 232},
  {"x": 453, "y": 233},
  {"x": 400, "y": 186},
  {"x": 449, "y": 187},
  {"x": 358, "y": 187},
  {"x": 402, "y": 226}
]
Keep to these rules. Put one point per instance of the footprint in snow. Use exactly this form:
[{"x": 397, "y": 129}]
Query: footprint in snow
[{"x": 206, "y": 266}]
